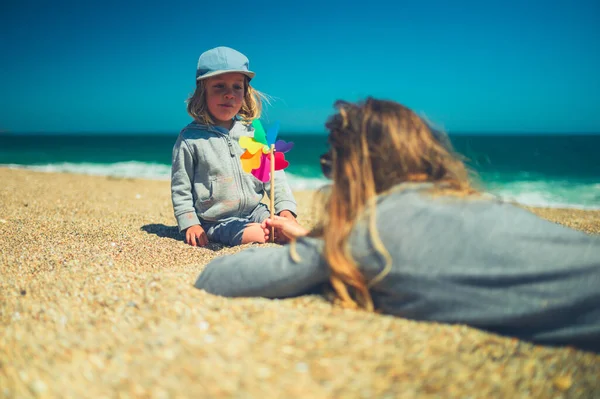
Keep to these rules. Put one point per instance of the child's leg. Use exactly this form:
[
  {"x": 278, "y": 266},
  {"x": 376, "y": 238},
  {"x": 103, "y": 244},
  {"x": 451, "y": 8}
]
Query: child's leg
[
  {"x": 253, "y": 233},
  {"x": 258, "y": 215},
  {"x": 235, "y": 231}
]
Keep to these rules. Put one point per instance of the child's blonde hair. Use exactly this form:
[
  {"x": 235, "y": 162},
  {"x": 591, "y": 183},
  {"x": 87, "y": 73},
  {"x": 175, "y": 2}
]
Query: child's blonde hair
[{"x": 251, "y": 106}]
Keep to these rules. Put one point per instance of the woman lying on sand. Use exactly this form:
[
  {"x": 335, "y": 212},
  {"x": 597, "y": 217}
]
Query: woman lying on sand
[{"x": 404, "y": 233}]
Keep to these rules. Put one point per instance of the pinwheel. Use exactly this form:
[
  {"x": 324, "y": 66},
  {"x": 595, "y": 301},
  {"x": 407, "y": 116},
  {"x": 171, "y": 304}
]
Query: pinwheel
[
  {"x": 257, "y": 159},
  {"x": 264, "y": 155}
]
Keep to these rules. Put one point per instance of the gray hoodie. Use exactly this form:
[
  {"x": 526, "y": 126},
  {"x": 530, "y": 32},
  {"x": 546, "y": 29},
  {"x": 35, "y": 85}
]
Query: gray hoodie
[
  {"x": 480, "y": 262},
  {"x": 207, "y": 179}
]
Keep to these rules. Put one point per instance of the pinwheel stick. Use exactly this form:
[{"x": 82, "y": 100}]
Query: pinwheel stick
[{"x": 272, "y": 196}]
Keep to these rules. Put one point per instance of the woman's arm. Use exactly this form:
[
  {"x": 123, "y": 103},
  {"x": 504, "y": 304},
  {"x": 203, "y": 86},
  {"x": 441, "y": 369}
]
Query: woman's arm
[
  {"x": 286, "y": 228},
  {"x": 266, "y": 272}
]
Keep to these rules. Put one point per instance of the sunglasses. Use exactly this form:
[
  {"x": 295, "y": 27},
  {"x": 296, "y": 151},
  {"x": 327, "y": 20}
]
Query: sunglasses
[{"x": 326, "y": 164}]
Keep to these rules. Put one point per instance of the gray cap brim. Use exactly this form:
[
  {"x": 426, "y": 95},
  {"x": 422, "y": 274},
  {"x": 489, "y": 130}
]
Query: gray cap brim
[{"x": 250, "y": 74}]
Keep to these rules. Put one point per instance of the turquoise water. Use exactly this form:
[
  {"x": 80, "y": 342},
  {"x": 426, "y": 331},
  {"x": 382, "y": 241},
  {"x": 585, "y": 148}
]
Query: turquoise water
[{"x": 540, "y": 170}]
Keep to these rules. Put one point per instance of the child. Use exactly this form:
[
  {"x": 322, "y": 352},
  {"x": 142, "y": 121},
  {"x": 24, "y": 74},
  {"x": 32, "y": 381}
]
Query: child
[{"x": 213, "y": 198}]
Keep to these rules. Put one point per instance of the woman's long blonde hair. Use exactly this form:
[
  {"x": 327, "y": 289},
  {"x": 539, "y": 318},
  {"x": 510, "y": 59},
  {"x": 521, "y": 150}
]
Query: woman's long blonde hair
[
  {"x": 251, "y": 106},
  {"x": 374, "y": 146}
]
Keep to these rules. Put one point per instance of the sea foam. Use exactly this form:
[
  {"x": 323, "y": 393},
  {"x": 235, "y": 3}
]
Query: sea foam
[{"x": 521, "y": 188}]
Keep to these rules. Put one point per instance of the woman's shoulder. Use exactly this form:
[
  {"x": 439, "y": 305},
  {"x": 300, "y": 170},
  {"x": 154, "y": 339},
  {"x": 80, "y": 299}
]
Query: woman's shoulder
[
  {"x": 420, "y": 206},
  {"x": 425, "y": 194},
  {"x": 423, "y": 200}
]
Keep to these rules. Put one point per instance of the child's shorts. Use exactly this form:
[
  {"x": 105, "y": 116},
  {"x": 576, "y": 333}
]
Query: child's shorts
[{"x": 229, "y": 231}]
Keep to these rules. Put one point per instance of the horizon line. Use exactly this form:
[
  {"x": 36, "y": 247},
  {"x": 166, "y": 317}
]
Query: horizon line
[{"x": 297, "y": 132}]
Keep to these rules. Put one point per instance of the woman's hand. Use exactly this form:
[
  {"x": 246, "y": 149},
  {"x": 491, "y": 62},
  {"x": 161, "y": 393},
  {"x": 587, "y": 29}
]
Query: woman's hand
[
  {"x": 285, "y": 228},
  {"x": 196, "y": 236}
]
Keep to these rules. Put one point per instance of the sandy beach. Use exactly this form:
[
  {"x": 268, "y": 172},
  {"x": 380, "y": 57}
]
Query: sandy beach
[{"x": 97, "y": 300}]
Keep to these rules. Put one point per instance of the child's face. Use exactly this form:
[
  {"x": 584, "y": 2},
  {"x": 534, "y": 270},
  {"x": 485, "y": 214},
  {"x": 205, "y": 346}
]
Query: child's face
[{"x": 224, "y": 97}]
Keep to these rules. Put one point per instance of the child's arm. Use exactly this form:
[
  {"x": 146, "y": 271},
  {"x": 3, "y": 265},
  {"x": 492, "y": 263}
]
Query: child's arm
[{"x": 182, "y": 176}]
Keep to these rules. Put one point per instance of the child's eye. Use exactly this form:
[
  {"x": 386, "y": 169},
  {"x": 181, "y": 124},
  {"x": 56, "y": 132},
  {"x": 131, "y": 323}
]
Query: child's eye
[
  {"x": 219, "y": 85},
  {"x": 237, "y": 87}
]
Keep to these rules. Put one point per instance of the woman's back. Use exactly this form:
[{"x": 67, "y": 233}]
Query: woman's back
[{"x": 484, "y": 263}]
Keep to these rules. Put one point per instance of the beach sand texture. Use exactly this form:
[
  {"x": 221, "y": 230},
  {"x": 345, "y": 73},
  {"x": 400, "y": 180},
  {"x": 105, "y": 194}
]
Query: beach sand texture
[{"x": 97, "y": 300}]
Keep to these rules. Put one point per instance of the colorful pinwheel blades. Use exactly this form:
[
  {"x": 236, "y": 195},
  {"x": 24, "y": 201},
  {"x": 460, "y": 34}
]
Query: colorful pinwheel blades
[
  {"x": 259, "y": 132},
  {"x": 256, "y": 158},
  {"x": 263, "y": 172},
  {"x": 280, "y": 162}
]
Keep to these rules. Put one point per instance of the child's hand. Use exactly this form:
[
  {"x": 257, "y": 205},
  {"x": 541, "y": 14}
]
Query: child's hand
[
  {"x": 285, "y": 228},
  {"x": 196, "y": 236}
]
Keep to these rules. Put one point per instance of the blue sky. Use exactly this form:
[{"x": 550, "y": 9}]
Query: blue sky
[{"x": 470, "y": 66}]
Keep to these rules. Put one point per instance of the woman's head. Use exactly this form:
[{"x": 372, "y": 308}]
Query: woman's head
[
  {"x": 375, "y": 145},
  {"x": 378, "y": 144},
  {"x": 223, "y": 89}
]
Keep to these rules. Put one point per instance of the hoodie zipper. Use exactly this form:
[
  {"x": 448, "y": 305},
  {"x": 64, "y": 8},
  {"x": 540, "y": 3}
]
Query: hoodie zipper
[
  {"x": 236, "y": 174},
  {"x": 236, "y": 168}
]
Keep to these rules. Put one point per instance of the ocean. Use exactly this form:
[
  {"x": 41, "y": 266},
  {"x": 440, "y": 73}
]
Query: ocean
[{"x": 547, "y": 170}]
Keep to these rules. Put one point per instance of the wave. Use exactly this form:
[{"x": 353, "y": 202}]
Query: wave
[
  {"x": 132, "y": 169},
  {"x": 144, "y": 170},
  {"x": 522, "y": 188},
  {"x": 549, "y": 193}
]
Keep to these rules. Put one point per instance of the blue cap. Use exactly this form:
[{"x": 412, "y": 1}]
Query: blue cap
[{"x": 220, "y": 60}]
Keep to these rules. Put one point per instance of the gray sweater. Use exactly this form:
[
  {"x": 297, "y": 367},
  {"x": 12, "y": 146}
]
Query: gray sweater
[
  {"x": 479, "y": 262},
  {"x": 207, "y": 179}
]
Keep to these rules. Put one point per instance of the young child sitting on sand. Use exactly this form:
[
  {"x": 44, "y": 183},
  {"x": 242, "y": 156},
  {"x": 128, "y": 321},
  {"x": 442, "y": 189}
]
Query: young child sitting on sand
[
  {"x": 406, "y": 234},
  {"x": 213, "y": 198}
]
